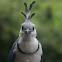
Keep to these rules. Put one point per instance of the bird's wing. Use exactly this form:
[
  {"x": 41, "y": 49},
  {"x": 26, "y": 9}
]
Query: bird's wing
[
  {"x": 12, "y": 54},
  {"x": 42, "y": 54},
  {"x": 41, "y": 57}
]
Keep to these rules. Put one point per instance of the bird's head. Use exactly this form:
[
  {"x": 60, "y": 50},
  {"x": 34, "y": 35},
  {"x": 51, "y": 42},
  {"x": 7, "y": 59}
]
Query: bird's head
[{"x": 28, "y": 28}]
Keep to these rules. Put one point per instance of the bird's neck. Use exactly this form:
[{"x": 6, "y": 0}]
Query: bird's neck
[{"x": 28, "y": 44}]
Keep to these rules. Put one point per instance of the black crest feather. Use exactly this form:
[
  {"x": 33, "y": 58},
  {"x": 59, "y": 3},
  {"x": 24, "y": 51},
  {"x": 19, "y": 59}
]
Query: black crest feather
[
  {"x": 26, "y": 7},
  {"x": 23, "y": 14},
  {"x": 27, "y": 16},
  {"x": 32, "y": 15},
  {"x": 31, "y": 5}
]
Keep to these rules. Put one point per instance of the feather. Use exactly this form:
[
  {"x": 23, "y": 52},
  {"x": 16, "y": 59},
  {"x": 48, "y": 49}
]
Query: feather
[
  {"x": 41, "y": 57},
  {"x": 12, "y": 54},
  {"x": 27, "y": 16},
  {"x": 32, "y": 15},
  {"x": 31, "y": 5},
  {"x": 26, "y": 7},
  {"x": 23, "y": 14}
]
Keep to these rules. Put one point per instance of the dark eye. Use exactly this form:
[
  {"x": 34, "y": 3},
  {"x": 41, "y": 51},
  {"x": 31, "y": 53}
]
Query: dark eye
[
  {"x": 22, "y": 27},
  {"x": 33, "y": 28}
]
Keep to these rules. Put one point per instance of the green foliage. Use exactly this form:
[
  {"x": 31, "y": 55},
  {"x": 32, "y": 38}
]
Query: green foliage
[{"x": 49, "y": 30}]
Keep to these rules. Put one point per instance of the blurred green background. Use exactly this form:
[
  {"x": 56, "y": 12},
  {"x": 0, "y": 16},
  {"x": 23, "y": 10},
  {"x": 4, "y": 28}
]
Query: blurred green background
[{"x": 48, "y": 22}]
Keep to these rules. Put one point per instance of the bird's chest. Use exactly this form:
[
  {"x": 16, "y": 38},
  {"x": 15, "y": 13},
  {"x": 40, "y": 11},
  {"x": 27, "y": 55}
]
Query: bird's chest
[
  {"x": 20, "y": 57},
  {"x": 28, "y": 47}
]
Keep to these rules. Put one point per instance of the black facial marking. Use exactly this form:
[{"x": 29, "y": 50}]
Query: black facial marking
[
  {"x": 33, "y": 28},
  {"x": 22, "y": 27}
]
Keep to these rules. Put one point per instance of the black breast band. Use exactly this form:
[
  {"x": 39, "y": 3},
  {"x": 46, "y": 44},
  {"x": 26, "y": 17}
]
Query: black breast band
[{"x": 26, "y": 52}]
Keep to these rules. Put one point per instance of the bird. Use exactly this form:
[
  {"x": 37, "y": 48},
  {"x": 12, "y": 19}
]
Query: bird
[{"x": 27, "y": 48}]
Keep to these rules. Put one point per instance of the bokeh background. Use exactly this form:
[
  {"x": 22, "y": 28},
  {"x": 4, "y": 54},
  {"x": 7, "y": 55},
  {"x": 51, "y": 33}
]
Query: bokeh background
[{"x": 48, "y": 21}]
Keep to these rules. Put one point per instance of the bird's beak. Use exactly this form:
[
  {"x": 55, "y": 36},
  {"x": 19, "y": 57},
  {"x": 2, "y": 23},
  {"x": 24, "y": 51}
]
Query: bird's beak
[{"x": 27, "y": 31}]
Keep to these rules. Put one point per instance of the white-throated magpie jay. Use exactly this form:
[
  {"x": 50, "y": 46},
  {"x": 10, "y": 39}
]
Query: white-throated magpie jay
[{"x": 27, "y": 48}]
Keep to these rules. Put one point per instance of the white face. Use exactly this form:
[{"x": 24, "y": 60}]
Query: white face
[{"x": 28, "y": 29}]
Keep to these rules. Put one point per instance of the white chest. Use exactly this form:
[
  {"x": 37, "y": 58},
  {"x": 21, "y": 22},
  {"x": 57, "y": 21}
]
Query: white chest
[
  {"x": 20, "y": 57},
  {"x": 28, "y": 46}
]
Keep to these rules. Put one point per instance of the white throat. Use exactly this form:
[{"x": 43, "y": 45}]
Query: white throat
[{"x": 28, "y": 45}]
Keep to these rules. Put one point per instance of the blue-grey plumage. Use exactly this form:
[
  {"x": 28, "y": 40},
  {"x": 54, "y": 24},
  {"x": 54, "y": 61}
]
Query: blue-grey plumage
[
  {"x": 12, "y": 54},
  {"x": 27, "y": 48},
  {"x": 41, "y": 57}
]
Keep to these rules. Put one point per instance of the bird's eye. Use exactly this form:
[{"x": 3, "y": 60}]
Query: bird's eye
[
  {"x": 33, "y": 28},
  {"x": 22, "y": 27}
]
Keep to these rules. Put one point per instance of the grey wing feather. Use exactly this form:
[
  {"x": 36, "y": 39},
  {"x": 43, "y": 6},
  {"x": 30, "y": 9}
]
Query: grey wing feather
[
  {"x": 12, "y": 54},
  {"x": 41, "y": 57}
]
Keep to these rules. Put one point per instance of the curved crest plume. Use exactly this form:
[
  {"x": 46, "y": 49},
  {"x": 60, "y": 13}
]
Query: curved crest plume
[{"x": 27, "y": 16}]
